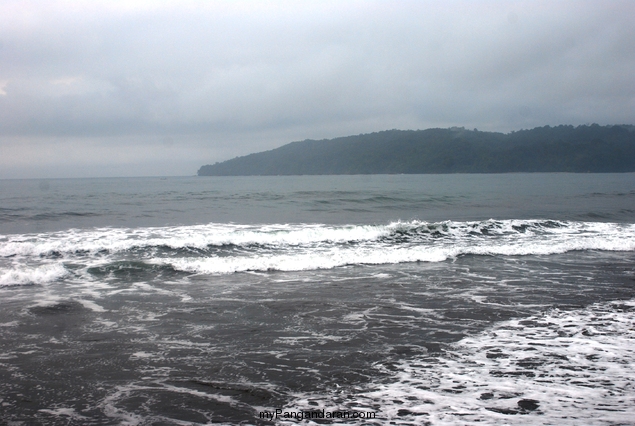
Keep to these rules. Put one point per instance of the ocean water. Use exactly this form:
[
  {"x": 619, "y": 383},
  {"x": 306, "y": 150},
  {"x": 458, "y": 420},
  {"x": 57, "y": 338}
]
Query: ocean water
[{"x": 393, "y": 299}]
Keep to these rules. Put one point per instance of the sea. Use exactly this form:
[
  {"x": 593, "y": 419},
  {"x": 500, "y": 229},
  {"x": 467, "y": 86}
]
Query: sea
[{"x": 490, "y": 299}]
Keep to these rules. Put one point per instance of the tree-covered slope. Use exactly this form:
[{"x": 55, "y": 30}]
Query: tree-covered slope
[{"x": 591, "y": 148}]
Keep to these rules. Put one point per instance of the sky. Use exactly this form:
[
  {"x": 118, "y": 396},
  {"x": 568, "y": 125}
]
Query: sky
[{"x": 160, "y": 88}]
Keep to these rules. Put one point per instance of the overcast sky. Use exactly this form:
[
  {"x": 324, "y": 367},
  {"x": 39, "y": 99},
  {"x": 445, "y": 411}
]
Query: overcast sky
[{"x": 142, "y": 88}]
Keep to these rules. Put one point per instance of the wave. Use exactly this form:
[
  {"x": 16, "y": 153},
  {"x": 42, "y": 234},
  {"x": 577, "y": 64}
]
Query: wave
[
  {"x": 201, "y": 237},
  {"x": 31, "y": 275},
  {"x": 230, "y": 248},
  {"x": 114, "y": 240},
  {"x": 377, "y": 255}
]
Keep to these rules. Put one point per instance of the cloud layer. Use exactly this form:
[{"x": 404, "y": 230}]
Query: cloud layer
[{"x": 92, "y": 88}]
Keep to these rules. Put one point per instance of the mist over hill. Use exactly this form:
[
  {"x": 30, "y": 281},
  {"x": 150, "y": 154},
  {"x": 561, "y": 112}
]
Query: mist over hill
[{"x": 565, "y": 148}]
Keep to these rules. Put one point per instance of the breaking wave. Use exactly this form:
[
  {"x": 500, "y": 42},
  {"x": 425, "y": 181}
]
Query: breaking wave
[{"x": 230, "y": 248}]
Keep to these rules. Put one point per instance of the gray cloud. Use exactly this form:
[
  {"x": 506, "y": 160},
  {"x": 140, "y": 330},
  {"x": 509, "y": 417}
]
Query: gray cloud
[{"x": 108, "y": 83}]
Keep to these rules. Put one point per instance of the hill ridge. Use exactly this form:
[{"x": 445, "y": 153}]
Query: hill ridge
[{"x": 564, "y": 148}]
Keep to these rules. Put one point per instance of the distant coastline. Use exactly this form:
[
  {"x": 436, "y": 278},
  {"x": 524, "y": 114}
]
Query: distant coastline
[{"x": 582, "y": 149}]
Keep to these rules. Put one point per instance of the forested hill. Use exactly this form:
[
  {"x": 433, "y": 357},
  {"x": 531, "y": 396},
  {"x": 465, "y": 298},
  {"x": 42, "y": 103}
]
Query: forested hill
[{"x": 579, "y": 149}]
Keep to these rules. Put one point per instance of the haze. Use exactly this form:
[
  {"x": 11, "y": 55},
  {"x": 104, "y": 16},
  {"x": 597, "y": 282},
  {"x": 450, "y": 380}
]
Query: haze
[{"x": 121, "y": 88}]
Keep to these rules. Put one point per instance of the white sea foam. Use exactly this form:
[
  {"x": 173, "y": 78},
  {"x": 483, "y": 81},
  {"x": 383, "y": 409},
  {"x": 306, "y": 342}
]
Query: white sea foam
[
  {"x": 230, "y": 248},
  {"x": 563, "y": 367},
  {"x": 89, "y": 304},
  {"x": 113, "y": 240},
  {"x": 201, "y": 236},
  {"x": 328, "y": 257},
  {"x": 110, "y": 404},
  {"x": 24, "y": 275},
  {"x": 68, "y": 413}
]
